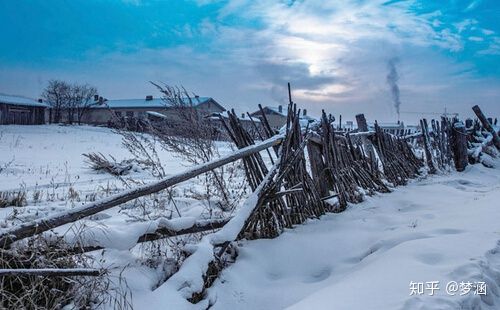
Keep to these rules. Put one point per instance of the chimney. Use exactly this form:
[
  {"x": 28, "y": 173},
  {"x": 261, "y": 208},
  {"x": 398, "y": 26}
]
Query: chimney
[
  {"x": 96, "y": 97},
  {"x": 149, "y": 97},
  {"x": 40, "y": 100},
  {"x": 304, "y": 112},
  {"x": 280, "y": 108},
  {"x": 242, "y": 115}
]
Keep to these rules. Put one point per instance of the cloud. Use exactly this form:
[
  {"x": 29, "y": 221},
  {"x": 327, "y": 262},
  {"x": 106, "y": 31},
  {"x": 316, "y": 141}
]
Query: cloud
[
  {"x": 473, "y": 5},
  {"x": 319, "y": 37},
  {"x": 493, "y": 48},
  {"x": 487, "y": 32},
  {"x": 476, "y": 39},
  {"x": 334, "y": 53},
  {"x": 465, "y": 24}
]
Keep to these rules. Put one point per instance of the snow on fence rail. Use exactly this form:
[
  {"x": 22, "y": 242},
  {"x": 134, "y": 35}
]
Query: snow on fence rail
[
  {"x": 189, "y": 279},
  {"x": 162, "y": 230}
]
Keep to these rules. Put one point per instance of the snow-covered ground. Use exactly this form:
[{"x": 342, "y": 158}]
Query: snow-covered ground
[
  {"x": 51, "y": 155},
  {"x": 442, "y": 228},
  {"x": 46, "y": 163}
]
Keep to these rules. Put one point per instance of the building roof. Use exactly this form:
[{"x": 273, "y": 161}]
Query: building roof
[
  {"x": 388, "y": 125},
  {"x": 273, "y": 110},
  {"x": 284, "y": 113},
  {"x": 153, "y": 103},
  {"x": 284, "y": 110},
  {"x": 23, "y": 101},
  {"x": 215, "y": 116}
]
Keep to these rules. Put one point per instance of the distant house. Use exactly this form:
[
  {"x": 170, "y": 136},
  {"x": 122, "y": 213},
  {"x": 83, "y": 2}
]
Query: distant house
[
  {"x": 398, "y": 128},
  {"x": 151, "y": 108},
  {"x": 21, "y": 111},
  {"x": 349, "y": 125},
  {"x": 276, "y": 116}
]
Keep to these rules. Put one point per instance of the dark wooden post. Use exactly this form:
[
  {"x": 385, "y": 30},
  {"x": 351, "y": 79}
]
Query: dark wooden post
[
  {"x": 362, "y": 125},
  {"x": 487, "y": 125},
  {"x": 459, "y": 146},
  {"x": 318, "y": 168},
  {"x": 427, "y": 146}
]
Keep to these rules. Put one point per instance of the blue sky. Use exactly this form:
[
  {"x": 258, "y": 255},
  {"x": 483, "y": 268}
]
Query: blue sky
[{"x": 242, "y": 52}]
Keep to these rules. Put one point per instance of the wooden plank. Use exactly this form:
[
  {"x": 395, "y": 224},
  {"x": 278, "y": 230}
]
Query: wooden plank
[
  {"x": 51, "y": 272},
  {"x": 487, "y": 125},
  {"x": 362, "y": 125}
]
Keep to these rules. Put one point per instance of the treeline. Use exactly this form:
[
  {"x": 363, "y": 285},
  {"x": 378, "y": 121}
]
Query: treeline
[{"x": 69, "y": 102}]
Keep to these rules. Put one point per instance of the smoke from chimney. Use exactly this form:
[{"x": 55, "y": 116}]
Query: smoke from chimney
[
  {"x": 392, "y": 80},
  {"x": 278, "y": 94}
]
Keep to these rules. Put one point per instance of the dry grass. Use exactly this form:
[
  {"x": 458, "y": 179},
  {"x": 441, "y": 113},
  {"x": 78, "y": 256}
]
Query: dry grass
[
  {"x": 55, "y": 292},
  {"x": 13, "y": 199},
  {"x": 99, "y": 162}
]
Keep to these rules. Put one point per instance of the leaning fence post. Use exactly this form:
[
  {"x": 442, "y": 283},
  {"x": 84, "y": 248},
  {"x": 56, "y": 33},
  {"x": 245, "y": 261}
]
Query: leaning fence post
[
  {"x": 361, "y": 121},
  {"x": 487, "y": 125}
]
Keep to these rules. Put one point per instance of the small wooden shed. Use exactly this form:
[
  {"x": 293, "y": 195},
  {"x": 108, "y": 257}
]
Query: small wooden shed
[{"x": 16, "y": 110}]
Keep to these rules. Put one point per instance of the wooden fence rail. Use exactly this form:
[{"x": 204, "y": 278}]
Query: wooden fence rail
[
  {"x": 10, "y": 235},
  {"x": 51, "y": 272}
]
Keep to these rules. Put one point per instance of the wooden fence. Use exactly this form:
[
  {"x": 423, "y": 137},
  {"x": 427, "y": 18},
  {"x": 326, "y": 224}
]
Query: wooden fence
[{"x": 313, "y": 169}]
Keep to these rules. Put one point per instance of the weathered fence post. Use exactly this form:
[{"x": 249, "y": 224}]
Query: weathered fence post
[
  {"x": 459, "y": 145},
  {"x": 487, "y": 125},
  {"x": 427, "y": 146},
  {"x": 317, "y": 167},
  {"x": 362, "y": 125}
]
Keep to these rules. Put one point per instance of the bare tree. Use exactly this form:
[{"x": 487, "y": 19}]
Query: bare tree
[
  {"x": 82, "y": 99},
  {"x": 73, "y": 100},
  {"x": 190, "y": 134},
  {"x": 56, "y": 94}
]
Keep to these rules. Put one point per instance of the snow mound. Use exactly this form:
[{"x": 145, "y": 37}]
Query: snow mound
[{"x": 444, "y": 228}]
